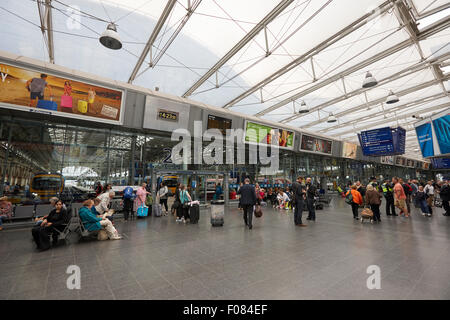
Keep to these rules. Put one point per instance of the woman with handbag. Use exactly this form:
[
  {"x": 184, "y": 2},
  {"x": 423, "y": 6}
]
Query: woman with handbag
[
  {"x": 185, "y": 198},
  {"x": 373, "y": 199}
]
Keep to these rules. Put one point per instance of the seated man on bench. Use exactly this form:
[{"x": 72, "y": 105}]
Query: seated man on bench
[
  {"x": 55, "y": 220},
  {"x": 93, "y": 223}
]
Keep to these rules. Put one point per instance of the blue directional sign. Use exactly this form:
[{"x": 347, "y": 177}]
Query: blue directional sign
[
  {"x": 441, "y": 163},
  {"x": 377, "y": 142}
]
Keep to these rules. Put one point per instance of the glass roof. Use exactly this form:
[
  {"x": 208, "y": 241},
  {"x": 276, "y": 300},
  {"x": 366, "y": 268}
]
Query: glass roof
[{"x": 259, "y": 57}]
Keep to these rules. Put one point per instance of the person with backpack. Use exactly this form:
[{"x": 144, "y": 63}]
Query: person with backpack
[
  {"x": 354, "y": 198},
  {"x": 127, "y": 199},
  {"x": 185, "y": 198},
  {"x": 311, "y": 194},
  {"x": 299, "y": 195}
]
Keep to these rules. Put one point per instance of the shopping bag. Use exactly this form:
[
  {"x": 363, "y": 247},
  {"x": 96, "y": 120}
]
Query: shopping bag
[
  {"x": 82, "y": 106},
  {"x": 258, "y": 211},
  {"x": 142, "y": 211},
  {"x": 66, "y": 101}
]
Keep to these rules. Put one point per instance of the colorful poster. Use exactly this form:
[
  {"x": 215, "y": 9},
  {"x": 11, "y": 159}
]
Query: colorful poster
[
  {"x": 29, "y": 90},
  {"x": 262, "y": 134},
  {"x": 315, "y": 144},
  {"x": 442, "y": 129},
  {"x": 349, "y": 150},
  {"x": 425, "y": 138}
]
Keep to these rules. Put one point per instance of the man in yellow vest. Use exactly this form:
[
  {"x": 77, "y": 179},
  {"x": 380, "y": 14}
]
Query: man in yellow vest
[{"x": 388, "y": 192}]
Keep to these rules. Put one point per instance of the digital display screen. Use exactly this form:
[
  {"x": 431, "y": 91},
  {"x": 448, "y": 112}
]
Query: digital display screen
[
  {"x": 215, "y": 122},
  {"x": 315, "y": 144},
  {"x": 167, "y": 115}
]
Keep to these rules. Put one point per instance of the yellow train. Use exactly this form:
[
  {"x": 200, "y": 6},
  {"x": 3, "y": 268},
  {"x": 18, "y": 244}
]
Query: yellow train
[{"x": 47, "y": 185}]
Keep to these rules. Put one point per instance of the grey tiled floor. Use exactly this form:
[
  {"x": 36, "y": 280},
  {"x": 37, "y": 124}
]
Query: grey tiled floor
[{"x": 160, "y": 259}]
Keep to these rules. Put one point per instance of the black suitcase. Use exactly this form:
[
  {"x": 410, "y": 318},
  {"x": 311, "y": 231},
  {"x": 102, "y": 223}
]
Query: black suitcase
[
  {"x": 194, "y": 213},
  {"x": 217, "y": 222}
]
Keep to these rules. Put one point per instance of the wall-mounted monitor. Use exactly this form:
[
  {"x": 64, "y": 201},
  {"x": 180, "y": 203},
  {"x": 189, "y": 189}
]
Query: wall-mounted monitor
[
  {"x": 215, "y": 122},
  {"x": 314, "y": 144}
]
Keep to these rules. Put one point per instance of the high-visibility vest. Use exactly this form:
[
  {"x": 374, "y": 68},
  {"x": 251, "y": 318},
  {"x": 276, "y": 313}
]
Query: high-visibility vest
[{"x": 386, "y": 188}]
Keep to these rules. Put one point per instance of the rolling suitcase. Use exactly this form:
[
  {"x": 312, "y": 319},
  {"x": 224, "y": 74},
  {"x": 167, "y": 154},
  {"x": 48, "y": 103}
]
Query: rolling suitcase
[
  {"x": 194, "y": 213},
  {"x": 47, "y": 105},
  {"x": 157, "y": 211},
  {"x": 217, "y": 213}
]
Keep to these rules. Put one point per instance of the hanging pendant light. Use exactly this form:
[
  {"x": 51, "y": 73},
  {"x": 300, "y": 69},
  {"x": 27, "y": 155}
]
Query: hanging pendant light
[
  {"x": 392, "y": 98},
  {"x": 110, "y": 38},
  {"x": 369, "y": 81},
  {"x": 303, "y": 108},
  {"x": 331, "y": 118}
]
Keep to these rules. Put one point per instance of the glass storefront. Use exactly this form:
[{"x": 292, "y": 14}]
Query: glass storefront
[{"x": 37, "y": 155}]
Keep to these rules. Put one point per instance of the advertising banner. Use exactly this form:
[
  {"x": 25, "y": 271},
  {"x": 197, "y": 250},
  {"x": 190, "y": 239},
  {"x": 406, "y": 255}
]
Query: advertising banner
[
  {"x": 425, "y": 137},
  {"x": 262, "y": 134},
  {"x": 314, "y": 144},
  {"x": 28, "y": 90},
  {"x": 349, "y": 150},
  {"x": 442, "y": 130}
]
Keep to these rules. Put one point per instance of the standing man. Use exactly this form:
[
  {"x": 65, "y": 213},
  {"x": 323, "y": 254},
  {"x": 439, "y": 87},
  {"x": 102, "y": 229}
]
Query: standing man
[
  {"x": 445, "y": 196},
  {"x": 310, "y": 195},
  {"x": 127, "y": 201},
  {"x": 36, "y": 87},
  {"x": 429, "y": 191},
  {"x": 408, "y": 192},
  {"x": 388, "y": 192},
  {"x": 400, "y": 197},
  {"x": 298, "y": 194},
  {"x": 248, "y": 200}
]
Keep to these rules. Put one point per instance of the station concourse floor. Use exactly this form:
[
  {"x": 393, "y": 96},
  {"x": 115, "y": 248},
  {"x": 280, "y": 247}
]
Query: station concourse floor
[{"x": 161, "y": 259}]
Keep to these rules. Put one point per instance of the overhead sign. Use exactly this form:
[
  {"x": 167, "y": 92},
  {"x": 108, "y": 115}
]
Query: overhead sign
[
  {"x": 263, "y": 134},
  {"x": 314, "y": 144},
  {"x": 377, "y": 142},
  {"x": 425, "y": 137},
  {"x": 387, "y": 160},
  {"x": 441, "y": 163},
  {"x": 383, "y": 141},
  {"x": 29, "y": 90},
  {"x": 441, "y": 127}
]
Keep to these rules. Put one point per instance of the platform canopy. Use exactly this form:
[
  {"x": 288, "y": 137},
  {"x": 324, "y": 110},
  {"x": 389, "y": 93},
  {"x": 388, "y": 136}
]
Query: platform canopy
[{"x": 258, "y": 57}]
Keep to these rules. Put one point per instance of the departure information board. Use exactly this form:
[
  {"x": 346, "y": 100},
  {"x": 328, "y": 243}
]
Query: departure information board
[
  {"x": 383, "y": 141},
  {"x": 377, "y": 142}
]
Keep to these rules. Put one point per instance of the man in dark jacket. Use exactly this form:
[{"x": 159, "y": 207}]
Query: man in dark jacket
[
  {"x": 298, "y": 193},
  {"x": 310, "y": 195},
  {"x": 248, "y": 200},
  {"x": 388, "y": 192},
  {"x": 445, "y": 196}
]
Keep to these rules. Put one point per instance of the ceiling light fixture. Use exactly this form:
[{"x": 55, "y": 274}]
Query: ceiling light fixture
[
  {"x": 369, "y": 81},
  {"x": 110, "y": 38},
  {"x": 392, "y": 98},
  {"x": 331, "y": 118},
  {"x": 303, "y": 108}
]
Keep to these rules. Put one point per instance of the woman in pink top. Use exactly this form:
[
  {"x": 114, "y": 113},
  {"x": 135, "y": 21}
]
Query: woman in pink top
[
  {"x": 141, "y": 194},
  {"x": 400, "y": 196}
]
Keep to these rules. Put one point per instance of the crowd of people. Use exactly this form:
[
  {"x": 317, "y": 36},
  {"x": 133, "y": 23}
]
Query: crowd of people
[
  {"x": 96, "y": 214},
  {"x": 399, "y": 194}
]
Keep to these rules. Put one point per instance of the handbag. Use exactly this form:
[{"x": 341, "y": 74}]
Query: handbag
[
  {"x": 258, "y": 211},
  {"x": 66, "y": 101},
  {"x": 142, "y": 211}
]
